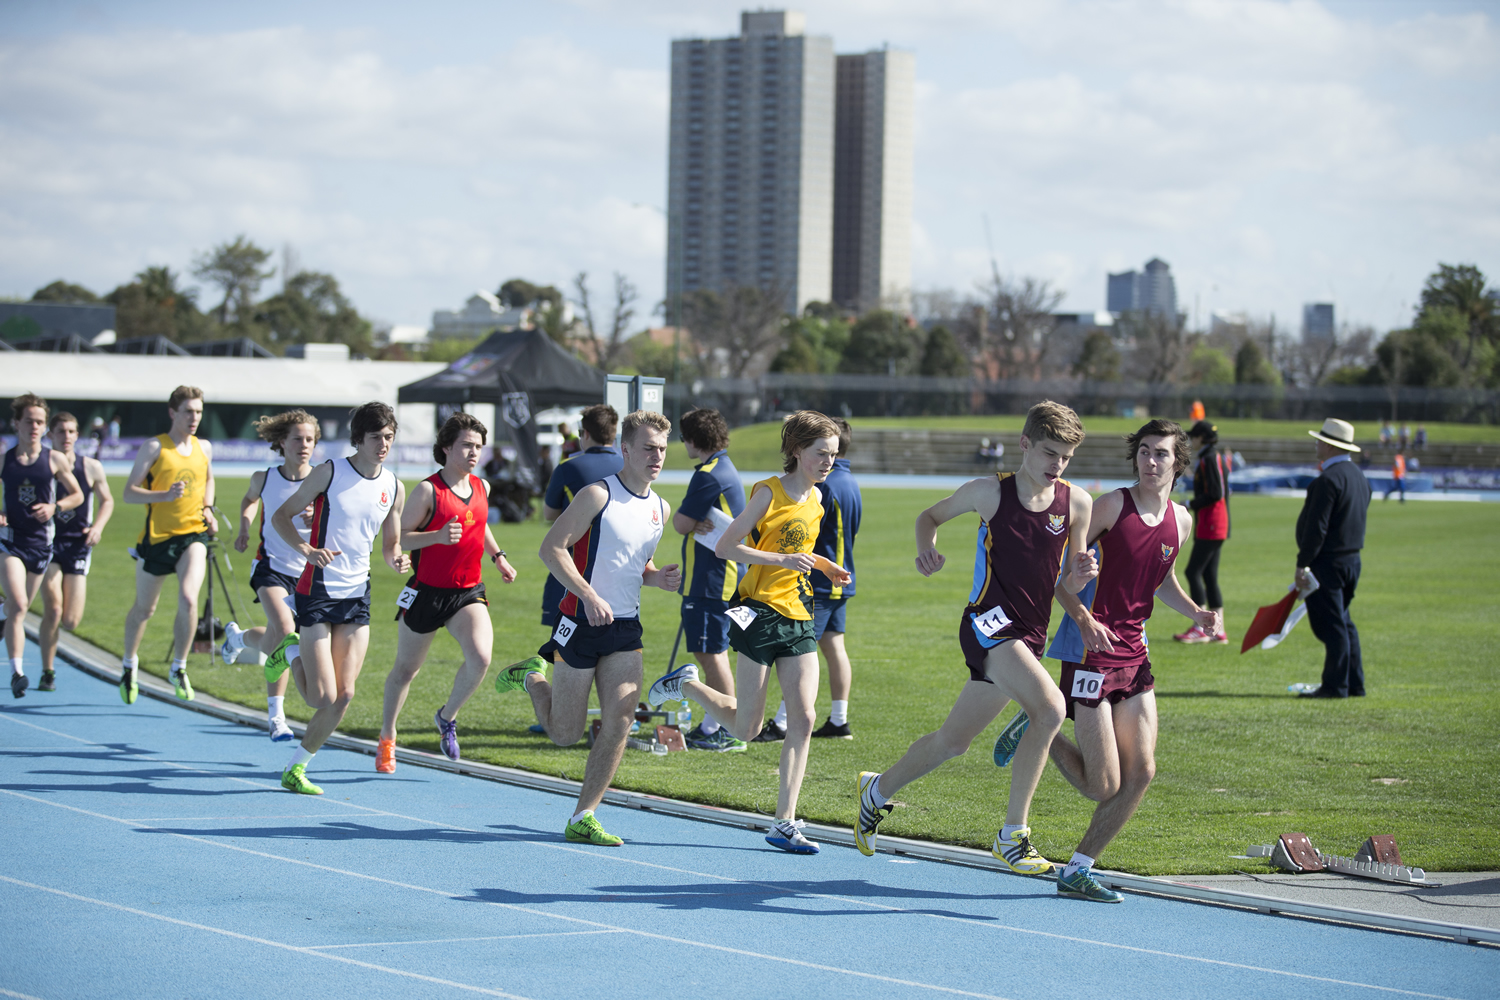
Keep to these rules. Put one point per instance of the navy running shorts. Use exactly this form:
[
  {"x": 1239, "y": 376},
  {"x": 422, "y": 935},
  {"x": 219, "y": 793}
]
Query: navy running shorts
[
  {"x": 828, "y": 615},
  {"x": 705, "y": 625},
  {"x": 582, "y": 645}
]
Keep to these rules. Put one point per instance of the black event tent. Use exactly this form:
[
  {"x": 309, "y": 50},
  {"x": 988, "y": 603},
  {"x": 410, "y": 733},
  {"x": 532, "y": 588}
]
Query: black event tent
[{"x": 520, "y": 373}]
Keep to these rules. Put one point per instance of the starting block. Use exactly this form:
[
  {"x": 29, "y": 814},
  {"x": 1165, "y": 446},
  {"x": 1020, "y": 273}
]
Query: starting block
[
  {"x": 1377, "y": 858},
  {"x": 662, "y": 742}
]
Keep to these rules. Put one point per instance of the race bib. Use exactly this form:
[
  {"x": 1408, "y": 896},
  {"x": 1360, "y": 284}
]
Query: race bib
[
  {"x": 1087, "y": 685},
  {"x": 742, "y": 616},
  {"x": 406, "y": 598},
  {"x": 565, "y": 629},
  {"x": 991, "y": 622}
]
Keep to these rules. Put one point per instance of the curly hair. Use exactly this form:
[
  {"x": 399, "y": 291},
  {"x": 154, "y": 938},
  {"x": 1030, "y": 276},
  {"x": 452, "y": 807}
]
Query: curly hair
[
  {"x": 274, "y": 429},
  {"x": 706, "y": 430},
  {"x": 1161, "y": 427},
  {"x": 800, "y": 430},
  {"x": 451, "y": 429},
  {"x": 371, "y": 418}
]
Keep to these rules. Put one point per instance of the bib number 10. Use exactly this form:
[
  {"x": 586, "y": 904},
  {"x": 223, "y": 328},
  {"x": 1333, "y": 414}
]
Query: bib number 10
[{"x": 1087, "y": 685}]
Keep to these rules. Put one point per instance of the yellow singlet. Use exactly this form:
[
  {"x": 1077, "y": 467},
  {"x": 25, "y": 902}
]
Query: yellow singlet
[
  {"x": 786, "y": 527},
  {"x": 183, "y": 516}
]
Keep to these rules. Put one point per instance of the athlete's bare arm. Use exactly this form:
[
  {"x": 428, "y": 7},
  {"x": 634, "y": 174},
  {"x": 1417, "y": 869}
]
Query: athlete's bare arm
[
  {"x": 669, "y": 577},
  {"x": 248, "y": 503},
  {"x": 1096, "y": 635},
  {"x": 62, "y": 471},
  {"x": 416, "y": 512},
  {"x": 144, "y": 459},
  {"x": 567, "y": 529},
  {"x": 281, "y": 519},
  {"x": 492, "y": 547},
  {"x": 210, "y": 488},
  {"x": 390, "y": 533},
  {"x": 980, "y": 496},
  {"x": 1171, "y": 593},
  {"x": 94, "y": 469},
  {"x": 1081, "y": 564}
]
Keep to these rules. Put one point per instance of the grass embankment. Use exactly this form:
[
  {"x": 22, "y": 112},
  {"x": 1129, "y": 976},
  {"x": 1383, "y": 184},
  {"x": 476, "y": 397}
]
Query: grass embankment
[{"x": 1239, "y": 761}]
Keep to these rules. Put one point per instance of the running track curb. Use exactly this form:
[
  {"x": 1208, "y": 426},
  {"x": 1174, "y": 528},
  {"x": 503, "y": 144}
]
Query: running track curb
[{"x": 92, "y": 660}]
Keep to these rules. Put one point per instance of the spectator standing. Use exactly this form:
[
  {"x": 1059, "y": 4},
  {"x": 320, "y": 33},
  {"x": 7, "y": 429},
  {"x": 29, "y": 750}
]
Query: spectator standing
[
  {"x": 570, "y": 443},
  {"x": 1398, "y": 476},
  {"x": 596, "y": 459},
  {"x": 1210, "y": 507},
  {"x": 1420, "y": 441},
  {"x": 1385, "y": 434},
  {"x": 1198, "y": 412},
  {"x": 114, "y": 429}
]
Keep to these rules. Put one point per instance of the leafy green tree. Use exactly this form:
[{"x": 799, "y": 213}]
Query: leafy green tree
[
  {"x": 65, "y": 293},
  {"x": 1459, "y": 291},
  {"x": 153, "y": 305},
  {"x": 1251, "y": 367},
  {"x": 518, "y": 293},
  {"x": 313, "y": 310},
  {"x": 1209, "y": 366},
  {"x": 815, "y": 342},
  {"x": 733, "y": 329},
  {"x": 1099, "y": 361},
  {"x": 881, "y": 343},
  {"x": 941, "y": 355},
  {"x": 236, "y": 268},
  {"x": 1422, "y": 355}
]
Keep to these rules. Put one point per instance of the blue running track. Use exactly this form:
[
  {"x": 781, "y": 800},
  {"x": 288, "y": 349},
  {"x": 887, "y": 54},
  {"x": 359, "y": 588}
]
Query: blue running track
[{"x": 150, "y": 853}]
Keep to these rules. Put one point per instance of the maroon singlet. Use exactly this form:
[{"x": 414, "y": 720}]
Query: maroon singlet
[{"x": 1134, "y": 560}]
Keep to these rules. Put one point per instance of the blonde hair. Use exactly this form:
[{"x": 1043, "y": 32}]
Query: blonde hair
[
  {"x": 642, "y": 418},
  {"x": 1053, "y": 421},
  {"x": 800, "y": 430},
  {"x": 273, "y": 430}
]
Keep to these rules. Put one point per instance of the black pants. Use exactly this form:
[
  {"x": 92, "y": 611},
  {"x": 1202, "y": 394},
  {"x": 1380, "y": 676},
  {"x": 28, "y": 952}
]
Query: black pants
[
  {"x": 1203, "y": 573},
  {"x": 1328, "y": 614}
]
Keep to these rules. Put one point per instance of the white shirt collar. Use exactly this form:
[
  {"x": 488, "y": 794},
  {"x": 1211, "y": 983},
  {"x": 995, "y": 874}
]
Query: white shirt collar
[{"x": 1335, "y": 460}]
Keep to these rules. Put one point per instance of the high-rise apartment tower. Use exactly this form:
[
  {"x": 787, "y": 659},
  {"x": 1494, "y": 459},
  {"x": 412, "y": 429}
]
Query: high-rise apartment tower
[{"x": 1152, "y": 289}]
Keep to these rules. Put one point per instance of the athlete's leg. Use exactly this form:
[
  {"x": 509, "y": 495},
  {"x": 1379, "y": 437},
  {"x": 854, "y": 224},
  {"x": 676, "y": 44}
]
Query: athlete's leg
[
  {"x": 618, "y": 678},
  {"x": 411, "y": 651},
  {"x": 1092, "y": 765},
  {"x": 716, "y": 673},
  {"x": 148, "y": 588},
  {"x": 1135, "y": 737},
  {"x": 17, "y": 600},
  {"x": 75, "y": 596},
  {"x": 1017, "y": 674},
  {"x": 472, "y": 628},
  {"x": 977, "y": 705},
  {"x": 840, "y": 672},
  {"x": 562, "y": 705},
  {"x": 337, "y": 653},
  {"x": 799, "y": 686},
  {"x": 742, "y": 715},
  {"x": 279, "y": 624},
  {"x": 52, "y": 613},
  {"x": 192, "y": 566}
]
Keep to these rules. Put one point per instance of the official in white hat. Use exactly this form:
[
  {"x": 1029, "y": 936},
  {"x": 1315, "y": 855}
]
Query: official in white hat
[{"x": 1330, "y": 535}]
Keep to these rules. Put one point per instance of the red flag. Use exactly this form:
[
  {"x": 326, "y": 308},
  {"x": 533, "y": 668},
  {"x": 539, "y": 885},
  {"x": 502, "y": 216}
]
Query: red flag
[{"x": 1269, "y": 620}]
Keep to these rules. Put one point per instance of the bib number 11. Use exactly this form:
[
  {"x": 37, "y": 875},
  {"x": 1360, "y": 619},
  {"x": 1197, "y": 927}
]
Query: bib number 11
[{"x": 991, "y": 622}]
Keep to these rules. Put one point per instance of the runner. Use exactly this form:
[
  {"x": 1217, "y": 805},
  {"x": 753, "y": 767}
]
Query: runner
[
  {"x": 1027, "y": 521},
  {"x": 173, "y": 476},
  {"x": 293, "y": 435},
  {"x": 31, "y": 480},
  {"x": 708, "y": 582},
  {"x": 596, "y": 459},
  {"x": 601, "y": 549},
  {"x": 1136, "y": 534},
  {"x": 352, "y": 498},
  {"x": 445, "y": 528},
  {"x": 77, "y": 531},
  {"x": 774, "y": 618}
]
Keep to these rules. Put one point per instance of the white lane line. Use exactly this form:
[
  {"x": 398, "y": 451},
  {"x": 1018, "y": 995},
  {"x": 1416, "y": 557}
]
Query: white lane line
[
  {"x": 219, "y": 819},
  {"x": 462, "y": 940},
  {"x": 257, "y": 940},
  {"x": 20, "y": 996}
]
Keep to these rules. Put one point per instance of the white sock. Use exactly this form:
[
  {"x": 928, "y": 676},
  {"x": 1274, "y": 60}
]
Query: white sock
[
  {"x": 875, "y": 795},
  {"x": 15, "y": 666},
  {"x": 299, "y": 756},
  {"x": 579, "y": 816},
  {"x": 839, "y": 714},
  {"x": 234, "y": 636},
  {"x": 710, "y": 724},
  {"x": 1078, "y": 861},
  {"x": 273, "y": 705},
  {"x": 1008, "y": 831},
  {"x": 129, "y": 662},
  {"x": 293, "y": 651},
  {"x": 780, "y": 719},
  {"x": 177, "y": 666}
]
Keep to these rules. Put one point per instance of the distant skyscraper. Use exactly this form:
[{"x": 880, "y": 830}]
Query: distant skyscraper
[
  {"x": 1317, "y": 321},
  {"x": 872, "y": 180},
  {"x": 1150, "y": 290},
  {"x": 750, "y": 173}
]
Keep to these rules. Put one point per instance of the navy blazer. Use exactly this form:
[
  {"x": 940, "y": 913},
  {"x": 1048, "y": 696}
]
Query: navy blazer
[{"x": 1332, "y": 522}]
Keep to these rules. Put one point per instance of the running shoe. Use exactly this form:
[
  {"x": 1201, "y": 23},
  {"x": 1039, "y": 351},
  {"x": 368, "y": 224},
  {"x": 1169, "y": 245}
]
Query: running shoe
[
  {"x": 49, "y": 681},
  {"x": 294, "y": 779},
  {"x": 448, "y": 735},
  {"x": 787, "y": 835},
  {"x": 828, "y": 731},
  {"x": 181, "y": 684},
  {"x": 1082, "y": 885},
  {"x": 721, "y": 741},
  {"x": 668, "y": 687},
  {"x": 385, "y": 757},
  {"x": 1018, "y": 854},
  {"x": 18, "y": 684},
  {"x": 129, "y": 689},
  {"x": 280, "y": 731},
  {"x": 1010, "y": 738},
  {"x": 1192, "y": 636},
  {"x": 589, "y": 831},
  {"x": 513, "y": 677},
  {"x": 277, "y": 663},
  {"x": 1221, "y": 639},
  {"x": 771, "y": 733},
  {"x": 234, "y": 641},
  {"x": 870, "y": 814}
]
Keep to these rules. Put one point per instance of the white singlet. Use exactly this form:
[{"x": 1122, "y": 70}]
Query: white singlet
[
  {"x": 284, "y": 559},
  {"x": 613, "y": 553},
  {"x": 346, "y": 517}
]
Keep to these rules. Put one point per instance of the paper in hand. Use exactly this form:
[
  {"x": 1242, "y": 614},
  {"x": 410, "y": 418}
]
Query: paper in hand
[{"x": 720, "y": 520}]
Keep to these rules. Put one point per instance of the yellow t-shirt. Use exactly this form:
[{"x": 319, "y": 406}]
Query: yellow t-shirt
[
  {"x": 786, "y": 527},
  {"x": 183, "y": 516}
]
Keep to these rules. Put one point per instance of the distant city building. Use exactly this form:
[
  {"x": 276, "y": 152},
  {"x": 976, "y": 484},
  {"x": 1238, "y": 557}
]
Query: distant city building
[
  {"x": 482, "y": 314},
  {"x": 1228, "y": 322},
  {"x": 1317, "y": 322},
  {"x": 872, "y": 180},
  {"x": 750, "y": 166},
  {"x": 1151, "y": 289}
]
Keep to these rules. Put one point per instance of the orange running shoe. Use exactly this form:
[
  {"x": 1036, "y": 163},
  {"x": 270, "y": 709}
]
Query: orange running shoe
[{"x": 385, "y": 757}]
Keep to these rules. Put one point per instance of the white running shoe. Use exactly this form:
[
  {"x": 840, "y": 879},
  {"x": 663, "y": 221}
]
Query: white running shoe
[
  {"x": 280, "y": 731},
  {"x": 234, "y": 641},
  {"x": 787, "y": 834},
  {"x": 668, "y": 687}
]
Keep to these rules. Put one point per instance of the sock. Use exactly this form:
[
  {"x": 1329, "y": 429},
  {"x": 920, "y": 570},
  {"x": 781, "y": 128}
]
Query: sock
[
  {"x": 293, "y": 651},
  {"x": 299, "y": 756},
  {"x": 1008, "y": 831},
  {"x": 839, "y": 715},
  {"x": 875, "y": 795},
  {"x": 1078, "y": 861},
  {"x": 129, "y": 662},
  {"x": 273, "y": 705},
  {"x": 178, "y": 666},
  {"x": 780, "y": 719},
  {"x": 15, "y": 666},
  {"x": 579, "y": 816},
  {"x": 710, "y": 724}
]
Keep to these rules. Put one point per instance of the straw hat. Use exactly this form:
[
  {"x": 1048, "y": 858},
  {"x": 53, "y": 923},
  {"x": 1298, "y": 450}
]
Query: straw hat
[{"x": 1339, "y": 433}]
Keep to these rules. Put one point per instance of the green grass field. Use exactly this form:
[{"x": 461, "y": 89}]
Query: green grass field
[{"x": 1239, "y": 760}]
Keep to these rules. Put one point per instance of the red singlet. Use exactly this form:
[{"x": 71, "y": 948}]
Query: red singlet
[{"x": 453, "y": 566}]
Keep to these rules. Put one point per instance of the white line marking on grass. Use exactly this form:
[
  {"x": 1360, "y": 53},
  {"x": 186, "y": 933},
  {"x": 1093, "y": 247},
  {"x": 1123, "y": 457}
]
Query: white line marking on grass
[
  {"x": 493, "y": 937},
  {"x": 257, "y": 940}
]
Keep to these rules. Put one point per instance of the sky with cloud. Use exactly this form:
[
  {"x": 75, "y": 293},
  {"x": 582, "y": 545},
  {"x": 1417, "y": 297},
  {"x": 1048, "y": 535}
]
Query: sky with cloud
[{"x": 1274, "y": 153}]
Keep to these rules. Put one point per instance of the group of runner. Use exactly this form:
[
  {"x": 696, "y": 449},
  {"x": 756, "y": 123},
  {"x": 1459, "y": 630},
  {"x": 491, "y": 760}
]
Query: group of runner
[{"x": 767, "y": 576}]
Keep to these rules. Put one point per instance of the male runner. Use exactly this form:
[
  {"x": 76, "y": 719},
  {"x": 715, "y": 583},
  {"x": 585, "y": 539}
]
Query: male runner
[
  {"x": 76, "y": 532},
  {"x": 774, "y": 619},
  {"x": 1027, "y": 521},
  {"x": 173, "y": 476},
  {"x": 352, "y": 498},
  {"x": 708, "y": 582},
  {"x": 294, "y": 435},
  {"x": 601, "y": 549},
  {"x": 1136, "y": 534},
  {"x": 445, "y": 528},
  {"x": 31, "y": 480},
  {"x": 596, "y": 459}
]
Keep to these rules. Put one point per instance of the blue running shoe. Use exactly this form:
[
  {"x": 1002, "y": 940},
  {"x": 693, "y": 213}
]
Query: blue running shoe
[
  {"x": 787, "y": 835},
  {"x": 449, "y": 735},
  {"x": 1010, "y": 738},
  {"x": 668, "y": 687},
  {"x": 1082, "y": 885}
]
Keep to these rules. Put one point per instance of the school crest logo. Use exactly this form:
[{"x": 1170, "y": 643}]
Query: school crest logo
[
  {"x": 656, "y": 517},
  {"x": 468, "y": 518},
  {"x": 385, "y": 498},
  {"x": 26, "y": 493},
  {"x": 515, "y": 409},
  {"x": 1166, "y": 552},
  {"x": 1057, "y": 523},
  {"x": 794, "y": 535}
]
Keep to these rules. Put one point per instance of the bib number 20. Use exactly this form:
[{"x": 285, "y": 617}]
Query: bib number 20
[{"x": 565, "y": 629}]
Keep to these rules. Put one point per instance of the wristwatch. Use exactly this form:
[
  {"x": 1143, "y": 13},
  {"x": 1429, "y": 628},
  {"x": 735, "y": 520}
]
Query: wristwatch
[{"x": 496, "y": 557}]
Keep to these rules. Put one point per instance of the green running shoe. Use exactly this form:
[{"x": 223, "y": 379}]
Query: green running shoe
[
  {"x": 1082, "y": 885},
  {"x": 588, "y": 831},
  {"x": 49, "y": 681},
  {"x": 294, "y": 779},
  {"x": 277, "y": 663},
  {"x": 129, "y": 689},
  {"x": 513, "y": 677},
  {"x": 180, "y": 682},
  {"x": 1010, "y": 738}
]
